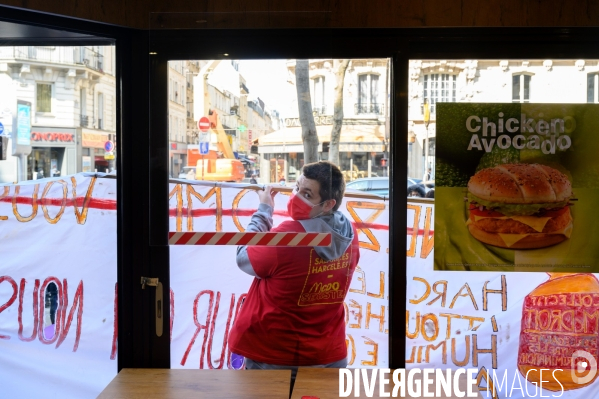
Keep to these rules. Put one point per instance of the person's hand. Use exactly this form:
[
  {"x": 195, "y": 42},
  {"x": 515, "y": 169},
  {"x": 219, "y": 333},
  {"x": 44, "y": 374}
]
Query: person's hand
[{"x": 267, "y": 196}]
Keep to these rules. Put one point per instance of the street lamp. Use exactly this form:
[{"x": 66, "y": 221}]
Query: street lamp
[{"x": 427, "y": 119}]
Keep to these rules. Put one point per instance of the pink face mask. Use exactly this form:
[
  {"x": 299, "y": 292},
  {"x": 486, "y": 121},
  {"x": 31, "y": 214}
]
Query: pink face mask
[{"x": 299, "y": 208}]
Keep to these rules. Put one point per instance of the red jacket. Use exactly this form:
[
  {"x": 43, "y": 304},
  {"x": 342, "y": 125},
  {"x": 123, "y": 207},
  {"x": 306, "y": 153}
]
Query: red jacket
[{"x": 294, "y": 314}]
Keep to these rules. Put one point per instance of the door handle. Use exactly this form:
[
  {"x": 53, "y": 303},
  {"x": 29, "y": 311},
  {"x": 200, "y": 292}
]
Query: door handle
[{"x": 158, "y": 302}]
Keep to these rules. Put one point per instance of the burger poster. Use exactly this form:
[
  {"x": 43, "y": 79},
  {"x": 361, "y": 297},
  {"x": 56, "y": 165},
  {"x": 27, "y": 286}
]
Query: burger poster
[{"x": 517, "y": 187}]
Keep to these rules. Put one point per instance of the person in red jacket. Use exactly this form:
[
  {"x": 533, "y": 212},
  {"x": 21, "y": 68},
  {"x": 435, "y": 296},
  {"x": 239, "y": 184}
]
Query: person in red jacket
[{"x": 293, "y": 315}]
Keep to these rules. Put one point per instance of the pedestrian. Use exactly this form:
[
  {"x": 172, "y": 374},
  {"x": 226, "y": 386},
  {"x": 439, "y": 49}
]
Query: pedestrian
[
  {"x": 293, "y": 315},
  {"x": 427, "y": 175},
  {"x": 253, "y": 180},
  {"x": 282, "y": 181}
]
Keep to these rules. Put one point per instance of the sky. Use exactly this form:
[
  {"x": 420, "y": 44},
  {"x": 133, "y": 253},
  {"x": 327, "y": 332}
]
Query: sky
[{"x": 267, "y": 79}]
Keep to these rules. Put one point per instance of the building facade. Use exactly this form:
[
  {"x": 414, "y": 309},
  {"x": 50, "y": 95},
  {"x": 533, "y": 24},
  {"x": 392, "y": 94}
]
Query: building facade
[
  {"x": 364, "y": 133},
  {"x": 489, "y": 81},
  {"x": 177, "y": 116},
  {"x": 70, "y": 96}
]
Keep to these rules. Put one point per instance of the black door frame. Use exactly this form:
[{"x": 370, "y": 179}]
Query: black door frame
[
  {"x": 134, "y": 310},
  {"x": 400, "y": 45},
  {"x": 142, "y": 179}
]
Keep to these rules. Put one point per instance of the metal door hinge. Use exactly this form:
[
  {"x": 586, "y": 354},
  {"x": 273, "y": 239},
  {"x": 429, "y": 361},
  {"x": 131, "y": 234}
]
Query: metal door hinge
[{"x": 153, "y": 282}]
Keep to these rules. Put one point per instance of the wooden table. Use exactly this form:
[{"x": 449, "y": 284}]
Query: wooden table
[
  {"x": 209, "y": 384},
  {"x": 324, "y": 384}
]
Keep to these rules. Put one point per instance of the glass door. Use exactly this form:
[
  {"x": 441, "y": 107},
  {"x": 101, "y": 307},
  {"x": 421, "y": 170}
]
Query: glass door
[
  {"x": 237, "y": 126},
  {"x": 58, "y": 217}
]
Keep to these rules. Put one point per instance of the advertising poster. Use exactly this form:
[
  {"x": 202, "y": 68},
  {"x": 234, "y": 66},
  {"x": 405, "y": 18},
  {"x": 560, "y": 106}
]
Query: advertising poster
[
  {"x": 23, "y": 123},
  {"x": 516, "y": 187}
]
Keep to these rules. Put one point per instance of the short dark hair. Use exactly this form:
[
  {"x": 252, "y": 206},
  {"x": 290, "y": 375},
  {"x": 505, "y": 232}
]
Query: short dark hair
[{"x": 330, "y": 178}]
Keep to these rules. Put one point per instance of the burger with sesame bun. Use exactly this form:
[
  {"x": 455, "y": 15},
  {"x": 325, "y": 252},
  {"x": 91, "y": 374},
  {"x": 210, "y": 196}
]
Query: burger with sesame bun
[{"x": 520, "y": 206}]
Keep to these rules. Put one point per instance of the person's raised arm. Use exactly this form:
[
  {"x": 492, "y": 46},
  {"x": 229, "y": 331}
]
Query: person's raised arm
[{"x": 261, "y": 222}]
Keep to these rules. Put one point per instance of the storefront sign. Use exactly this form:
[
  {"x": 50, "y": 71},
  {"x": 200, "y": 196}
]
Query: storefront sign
[
  {"x": 360, "y": 148},
  {"x": 515, "y": 186},
  {"x": 52, "y": 136},
  {"x": 93, "y": 140},
  {"x": 318, "y": 120}
]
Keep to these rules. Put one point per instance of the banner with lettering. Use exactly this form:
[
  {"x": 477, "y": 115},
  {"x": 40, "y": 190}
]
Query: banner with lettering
[
  {"x": 58, "y": 279},
  {"x": 528, "y": 334},
  {"x": 58, "y": 271},
  {"x": 515, "y": 187},
  {"x": 207, "y": 287}
]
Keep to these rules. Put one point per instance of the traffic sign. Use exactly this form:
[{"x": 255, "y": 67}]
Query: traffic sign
[
  {"x": 204, "y": 143},
  {"x": 204, "y": 124},
  {"x": 204, "y": 148},
  {"x": 108, "y": 146}
]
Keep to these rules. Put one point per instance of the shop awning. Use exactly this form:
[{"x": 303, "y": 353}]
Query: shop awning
[{"x": 354, "y": 138}]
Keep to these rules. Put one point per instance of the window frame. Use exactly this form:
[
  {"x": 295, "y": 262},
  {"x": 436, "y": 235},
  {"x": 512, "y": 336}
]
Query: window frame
[
  {"x": 522, "y": 86},
  {"x": 37, "y": 97},
  {"x": 594, "y": 88},
  {"x": 373, "y": 107},
  {"x": 427, "y": 90},
  {"x": 318, "y": 81}
]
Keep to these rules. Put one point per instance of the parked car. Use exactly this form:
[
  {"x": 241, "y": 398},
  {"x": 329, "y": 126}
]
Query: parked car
[
  {"x": 422, "y": 189},
  {"x": 413, "y": 180},
  {"x": 373, "y": 185},
  {"x": 188, "y": 172},
  {"x": 380, "y": 186}
]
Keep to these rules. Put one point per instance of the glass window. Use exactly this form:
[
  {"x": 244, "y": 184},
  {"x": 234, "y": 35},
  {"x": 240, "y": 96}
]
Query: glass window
[
  {"x": 438, "y": 87},
  {"x": 250, "y": 133},
  {"x": 358, "y": 185},
  {"x": 378, "y": 184},
  {"x": 100, "y": 111},
  {"x": 319, "y": 93},
  {"x": 521, "y": 88},
  {"x": 72, "y": 92},
  {"x": 592, "y": 88},
  {"x": 58, "y": 113},
  {"x": 368, "y": 94},
  {"x": 44, "y": 97}
]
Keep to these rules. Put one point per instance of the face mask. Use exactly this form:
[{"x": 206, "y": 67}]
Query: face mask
[{"x": 299, "y": 208}]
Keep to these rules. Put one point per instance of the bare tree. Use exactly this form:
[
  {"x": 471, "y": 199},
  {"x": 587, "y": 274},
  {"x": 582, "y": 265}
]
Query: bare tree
[
  {"x": 339, "y": 67},
  {"x": 304, "y": 105}
]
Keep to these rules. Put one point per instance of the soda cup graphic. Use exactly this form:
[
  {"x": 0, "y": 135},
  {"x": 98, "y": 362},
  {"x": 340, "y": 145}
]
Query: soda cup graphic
[{"x": 560, "y": 330}]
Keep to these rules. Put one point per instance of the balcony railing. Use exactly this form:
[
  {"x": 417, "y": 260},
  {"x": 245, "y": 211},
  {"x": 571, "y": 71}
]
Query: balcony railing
[
  {"x": 369, "y": 108},
  {"x": 83, "y": 120},
  {"x": 58, "y": 55}
]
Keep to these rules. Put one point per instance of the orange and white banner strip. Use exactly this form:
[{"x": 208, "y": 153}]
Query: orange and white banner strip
[{"x": 270, "y": 239}]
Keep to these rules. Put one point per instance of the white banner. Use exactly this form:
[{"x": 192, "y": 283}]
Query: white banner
[
  {"x": 62, "y": 232},
  {"x": 207, "y": 287},
  {"x": 59, "y": 232},
  {"x": 477, "y": 320}
]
